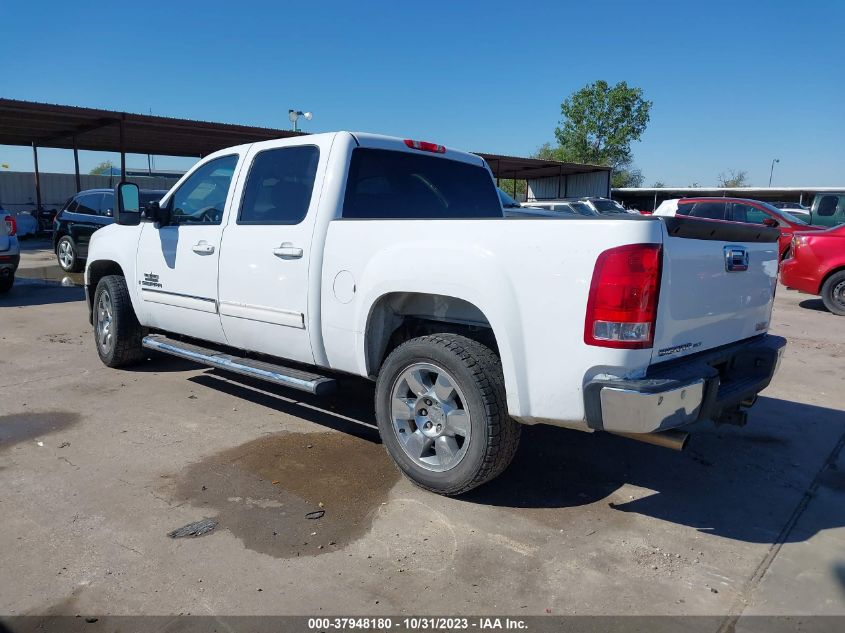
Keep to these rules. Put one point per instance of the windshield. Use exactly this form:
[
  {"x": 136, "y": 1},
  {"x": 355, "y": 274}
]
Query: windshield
[
  {"x": 507, "y": 201},
  {"x": 786, "y": 215},
  {"x": 581, "y": 208},
  {"x": 604, "y": 205}
]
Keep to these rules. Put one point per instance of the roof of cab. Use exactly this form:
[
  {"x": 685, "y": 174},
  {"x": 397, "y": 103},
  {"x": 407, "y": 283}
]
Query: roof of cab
[{"x": 396, "y": 143}]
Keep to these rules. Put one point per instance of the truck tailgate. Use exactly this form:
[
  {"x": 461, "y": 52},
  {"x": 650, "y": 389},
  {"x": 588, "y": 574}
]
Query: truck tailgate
[{"x": 718, "y": 285}]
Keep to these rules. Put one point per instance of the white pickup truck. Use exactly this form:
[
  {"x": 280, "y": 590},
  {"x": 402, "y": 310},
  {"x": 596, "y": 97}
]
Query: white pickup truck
[{"x": 300, "y": 259}]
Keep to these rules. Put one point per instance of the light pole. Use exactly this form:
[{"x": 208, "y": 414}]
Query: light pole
[
  {"x": 772, "y": 170},
  {"x": 294, "y": 115}
]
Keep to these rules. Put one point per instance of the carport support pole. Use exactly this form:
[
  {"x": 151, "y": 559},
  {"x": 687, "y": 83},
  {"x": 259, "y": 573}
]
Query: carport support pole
[
  {"x": 37, "y": 176},
  {"x": 122, "y": 151},
  {"x": 76, "y": 164}
]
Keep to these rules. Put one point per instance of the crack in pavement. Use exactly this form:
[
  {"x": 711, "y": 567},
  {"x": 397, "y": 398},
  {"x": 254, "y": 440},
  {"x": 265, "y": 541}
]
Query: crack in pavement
[{"x": 744, "y": 596}]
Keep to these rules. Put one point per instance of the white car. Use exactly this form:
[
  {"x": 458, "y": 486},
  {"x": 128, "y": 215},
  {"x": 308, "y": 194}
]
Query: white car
[
  {"x": 574, "y": 206},
  {"x": 598, "y": 205},
  {"x": 392, "y": 259}
]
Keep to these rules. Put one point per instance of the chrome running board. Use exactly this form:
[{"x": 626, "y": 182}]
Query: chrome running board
[{"x": 270, "y": 372}]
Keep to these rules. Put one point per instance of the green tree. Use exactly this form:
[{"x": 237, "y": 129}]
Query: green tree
[
  {"x": 626, "y": 175},
  {"x": 547, "y": 152},
  {"x": 600, "y": 122},
  {"x": 738, "y": 178},
  {"x": 658, "y": 184},
  {"x": 507, "y": 185},
  {"x": 102, "y": 168}
]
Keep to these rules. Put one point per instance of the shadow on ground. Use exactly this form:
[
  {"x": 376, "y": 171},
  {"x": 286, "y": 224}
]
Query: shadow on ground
[
  {"x": 738, "y": 483},
  {"x": 813, "y": 304},
  {"x": 29, "y": 292},
  {"x": 349, "y": 410}
]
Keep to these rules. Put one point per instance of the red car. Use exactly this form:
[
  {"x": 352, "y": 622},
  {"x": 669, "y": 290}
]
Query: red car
[
  {"x": 740, "y": 210},
  {"x": 816, "y": 265}
]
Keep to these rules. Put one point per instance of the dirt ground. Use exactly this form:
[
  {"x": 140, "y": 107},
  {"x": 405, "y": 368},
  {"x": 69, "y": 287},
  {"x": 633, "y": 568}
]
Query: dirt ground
[{"x": 97, "y": 466}]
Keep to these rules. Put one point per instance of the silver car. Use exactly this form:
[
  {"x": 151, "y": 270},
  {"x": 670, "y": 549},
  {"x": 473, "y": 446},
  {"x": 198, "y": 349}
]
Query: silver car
[{"x": 10, "y": 254}]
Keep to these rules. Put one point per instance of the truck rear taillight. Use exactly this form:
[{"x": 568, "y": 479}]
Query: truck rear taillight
[
  {"x": 12, "y": 224},
  {"x": 622, "y": 306},
  {"x": 425, "y": 146}
]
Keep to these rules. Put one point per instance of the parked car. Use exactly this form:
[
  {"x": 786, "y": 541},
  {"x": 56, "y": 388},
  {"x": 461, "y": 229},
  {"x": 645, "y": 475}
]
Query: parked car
[
  {"x": 10, "y": 254},
  {"x": 828, "y": 209},
  {"x": 81, "y": 215},
  {"x": 576, "y": 207},
  {"x": 596, "y": 205},
  {"x": 739, "y": 210},
  {"x": 392, "y": 259},
  {"x": 27, "y": 225},
  {"x": 797, "y": 209},
  {"x": 816, "y": 265}
]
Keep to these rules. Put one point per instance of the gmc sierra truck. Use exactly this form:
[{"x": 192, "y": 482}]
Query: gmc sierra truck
[{"x": 298, "y": 260}]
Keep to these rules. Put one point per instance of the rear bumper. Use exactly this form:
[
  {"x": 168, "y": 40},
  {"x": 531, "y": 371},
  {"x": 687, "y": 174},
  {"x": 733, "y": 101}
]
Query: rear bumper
[
  {"x": 677, "y": 393},
  {"x": 792, "y": 275},
  {"x": 9, "y": 263}
]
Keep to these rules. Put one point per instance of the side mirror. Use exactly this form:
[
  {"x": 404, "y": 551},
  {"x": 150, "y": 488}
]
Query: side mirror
[
  {"x": 771, "y": 223},
  {"x": 127, "y": 203},
  {"x": 158, "y": 213}
]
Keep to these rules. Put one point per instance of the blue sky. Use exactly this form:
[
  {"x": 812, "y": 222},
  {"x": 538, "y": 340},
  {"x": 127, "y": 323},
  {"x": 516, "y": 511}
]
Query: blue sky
[{"x": 734, "y": 84}]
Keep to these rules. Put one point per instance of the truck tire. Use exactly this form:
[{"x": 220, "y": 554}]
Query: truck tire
[
  {"x": 442, "y": 413},
  {"x": 117, "y": 333},
  {"x": 833, "y": 293},
  {"x": 6, "y": 283},
  {"x": 67, "y": 256}
]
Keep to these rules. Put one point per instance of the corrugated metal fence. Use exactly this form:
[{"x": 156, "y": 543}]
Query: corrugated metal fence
[
  {"x": 595, "y": 183},
  {"x": 17, "y": 188}
]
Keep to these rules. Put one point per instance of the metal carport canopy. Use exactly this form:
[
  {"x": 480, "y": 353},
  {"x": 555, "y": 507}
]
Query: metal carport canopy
[
  {"x": 531, "y": 168},
  {"x": 69, "y": 127}
]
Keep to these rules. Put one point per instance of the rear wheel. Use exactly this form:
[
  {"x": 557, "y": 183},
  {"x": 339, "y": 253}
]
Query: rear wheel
[
  {"x": 6, "y": 282},
  {"x": 66, "y": 253},
  {"x": 833, "y": 293},
  {"x": 117, "y": 332},
  {"x": 442, "y": 413}
]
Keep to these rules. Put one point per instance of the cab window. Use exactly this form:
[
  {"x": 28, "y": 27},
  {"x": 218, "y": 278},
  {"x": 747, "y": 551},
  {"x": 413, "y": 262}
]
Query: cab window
[
  {"x": 202, "y": 197},
  {"x": 387, "y": 184},
  {"x": 278, "y": 188},
  {"x": 827, "y": 206}
]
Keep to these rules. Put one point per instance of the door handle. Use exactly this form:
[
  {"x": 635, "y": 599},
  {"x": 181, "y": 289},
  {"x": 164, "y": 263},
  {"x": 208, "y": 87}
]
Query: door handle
[
  {"x": 203, "y": 248},
  {"x": 287, "y": 251}
]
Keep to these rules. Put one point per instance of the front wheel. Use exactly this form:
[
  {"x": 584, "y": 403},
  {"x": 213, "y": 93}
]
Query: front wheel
[
  {"x": 833, "y": 293},
  {"x": 442, "y": 413},
  {"x": 117, "y": 332}
]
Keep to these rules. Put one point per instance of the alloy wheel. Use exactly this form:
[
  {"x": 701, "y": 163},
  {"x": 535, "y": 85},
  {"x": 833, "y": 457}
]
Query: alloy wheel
[{"x": 430, "y": 417}]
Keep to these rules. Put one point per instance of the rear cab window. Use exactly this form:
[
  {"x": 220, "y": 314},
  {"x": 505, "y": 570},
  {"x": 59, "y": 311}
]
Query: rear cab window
[{"x": 386, "y": 184}]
